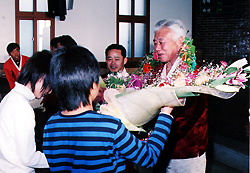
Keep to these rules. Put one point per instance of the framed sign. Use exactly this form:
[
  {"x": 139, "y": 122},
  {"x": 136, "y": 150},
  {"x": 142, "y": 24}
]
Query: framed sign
[{"x": 217, "y": 6}]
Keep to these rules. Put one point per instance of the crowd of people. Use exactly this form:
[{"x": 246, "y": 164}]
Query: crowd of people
[{"x": 78, "y": 139}]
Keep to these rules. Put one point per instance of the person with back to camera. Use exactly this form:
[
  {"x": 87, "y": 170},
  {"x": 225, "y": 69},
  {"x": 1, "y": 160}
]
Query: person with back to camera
[
  {"x": 66, "y": 41},
  {"x": 184, "y": 151},
  {"x": 61, "y": 41},
  {"x": 14, "y": 64},
  {"x": 17, "y": 120},
  {"x": 53, "y": 44},
  {"x": 77, "y": 139}
]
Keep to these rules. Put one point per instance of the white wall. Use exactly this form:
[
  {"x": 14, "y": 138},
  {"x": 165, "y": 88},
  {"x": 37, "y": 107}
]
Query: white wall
[
  {"x": 175, "y": 9},
  {"x": 93, "y": 23},
  {"x": 7, "y": 26}
]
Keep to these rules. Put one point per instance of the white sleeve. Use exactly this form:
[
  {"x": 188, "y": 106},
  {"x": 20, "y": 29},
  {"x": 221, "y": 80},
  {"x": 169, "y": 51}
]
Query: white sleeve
[{"x": 25, "y": 139}]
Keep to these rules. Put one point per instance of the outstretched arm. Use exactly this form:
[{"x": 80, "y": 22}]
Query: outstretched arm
[{"x": 141, "y": 152}]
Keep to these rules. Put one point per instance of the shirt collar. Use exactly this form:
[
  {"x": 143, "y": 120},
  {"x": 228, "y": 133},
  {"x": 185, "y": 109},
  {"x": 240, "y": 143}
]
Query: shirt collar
[
  {"x": 23, "y": 90},
  {"x": 175, "y": 65}
]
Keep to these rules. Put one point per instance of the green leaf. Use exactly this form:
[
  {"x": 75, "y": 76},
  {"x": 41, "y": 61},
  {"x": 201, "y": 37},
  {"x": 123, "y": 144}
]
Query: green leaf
[
  {"x": 183, "y": 94},
  {"x": 231, "y": 70},
  {"x": 153, "y": 64},
  {"x": 103, "y": 85},
  {"x": 150, "y": 56},
  {"x": 192, "y": 49},
  {"x": 247, "y": 69},
  {"x": 220, "y": 81},
  {"x": 186, "y": 40},
  {"x": 191, "y": 42}
]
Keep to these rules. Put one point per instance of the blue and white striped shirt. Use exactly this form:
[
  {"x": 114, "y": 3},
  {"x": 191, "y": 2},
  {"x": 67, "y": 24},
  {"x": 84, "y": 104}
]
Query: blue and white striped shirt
[{"x": 92, "y": 142}]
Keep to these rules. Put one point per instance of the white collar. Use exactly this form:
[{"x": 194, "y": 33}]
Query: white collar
[
  {"x": 23, "y": 90},
  {"x": 175, "y": 65},
  {"x": 124, "y": 73},
  {"x": 20, "y": 64}
]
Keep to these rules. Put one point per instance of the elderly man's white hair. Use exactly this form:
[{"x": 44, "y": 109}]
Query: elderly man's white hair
[{"x": 174, "y": 24}]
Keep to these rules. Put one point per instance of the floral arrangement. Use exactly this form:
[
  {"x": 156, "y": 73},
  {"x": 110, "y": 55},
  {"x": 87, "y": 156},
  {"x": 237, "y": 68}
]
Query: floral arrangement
[
  {"x": 116, "y": 80},
  {"x": 133, "y": 100},
  {"x": 138, "y": 79},
  {"x": 224, "y": 77}
]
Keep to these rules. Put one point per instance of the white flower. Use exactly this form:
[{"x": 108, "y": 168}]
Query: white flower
[
  {"x": 239, "y": 63},
  {"x": 200, "y": 80},
  {"x": 119, "y": 75},
  {"x": 180, "y": 81}
]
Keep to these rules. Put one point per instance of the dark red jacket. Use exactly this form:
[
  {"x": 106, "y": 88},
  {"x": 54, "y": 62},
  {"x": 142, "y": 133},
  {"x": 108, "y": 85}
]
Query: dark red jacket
[{"x": 188, "y": 136}]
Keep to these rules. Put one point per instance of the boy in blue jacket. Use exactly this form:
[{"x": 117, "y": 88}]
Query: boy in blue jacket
[{"x": 77, "y": 139}]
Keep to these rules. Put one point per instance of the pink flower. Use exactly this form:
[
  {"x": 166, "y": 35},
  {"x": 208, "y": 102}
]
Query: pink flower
[
  {"x": 191, "y": 76},
  {"x": 239, "y": 79},
  {"x": 223, "y": 64},
  {"x": 242, "y": 77},
  {"x": 188, "y": 81},
  {"x": 136, "y": 82},
  {"x": 184, "y": 66},
  {"x": 155, "y": 56}
]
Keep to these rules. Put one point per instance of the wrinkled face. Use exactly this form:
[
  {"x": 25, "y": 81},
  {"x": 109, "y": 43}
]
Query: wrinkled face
[
  {"x": 115, "y": 60},
  {"x": 164, "y": 45},
  {"x": 15, "y": 54},
  {"x": 38, "y": 89}
]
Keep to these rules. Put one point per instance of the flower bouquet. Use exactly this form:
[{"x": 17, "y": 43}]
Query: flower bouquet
[{"x": 135, "y": 100}]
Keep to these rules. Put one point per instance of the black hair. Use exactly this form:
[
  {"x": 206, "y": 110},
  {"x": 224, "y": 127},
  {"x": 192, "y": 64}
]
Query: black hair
[
  {"x": 67, "y": 41},
  {"x": 11, "y": 47},
  {"x": 54, "y": 41},
  {"x": 35, "y": 68},
  {"x": 118, "y": 47},
  {"x": 73, "y": 71}
]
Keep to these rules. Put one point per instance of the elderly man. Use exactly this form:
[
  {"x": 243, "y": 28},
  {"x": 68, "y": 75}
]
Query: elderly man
[{"x": 184, "y": 151}]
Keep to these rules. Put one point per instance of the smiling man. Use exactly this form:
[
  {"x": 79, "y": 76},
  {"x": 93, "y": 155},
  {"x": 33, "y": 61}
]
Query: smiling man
[
  {"x": 14, "y": 64},
  {"x": 116, "y": 58},
  {"x": 185, "y": 149}
]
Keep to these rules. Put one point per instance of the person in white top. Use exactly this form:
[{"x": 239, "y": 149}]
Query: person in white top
[{"x": 17, "y": 120}]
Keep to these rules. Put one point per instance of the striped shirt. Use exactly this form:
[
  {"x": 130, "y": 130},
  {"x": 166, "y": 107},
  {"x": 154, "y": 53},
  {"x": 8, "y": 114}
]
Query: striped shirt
[{"x": 92, "y": 142}]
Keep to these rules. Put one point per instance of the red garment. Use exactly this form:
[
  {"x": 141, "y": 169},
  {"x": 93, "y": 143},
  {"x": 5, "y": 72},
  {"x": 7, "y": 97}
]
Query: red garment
[
  {"x": 12, "y": 71},
  {"x": 188, "y": 136}
]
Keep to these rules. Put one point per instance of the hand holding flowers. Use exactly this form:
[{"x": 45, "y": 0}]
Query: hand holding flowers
[{"x": 137, "y": 100}]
